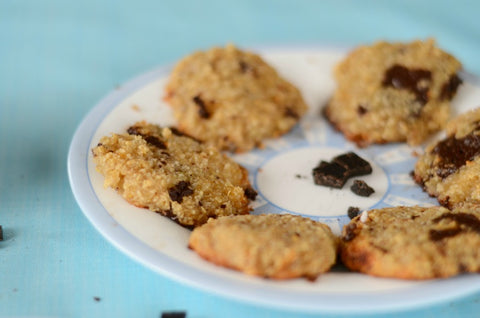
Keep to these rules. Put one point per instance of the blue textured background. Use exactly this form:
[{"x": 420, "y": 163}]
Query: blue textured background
[{"x": 58, "y": 58}]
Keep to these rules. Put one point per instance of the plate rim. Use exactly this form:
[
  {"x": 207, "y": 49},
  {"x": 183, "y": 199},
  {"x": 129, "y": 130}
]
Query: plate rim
[{"x": 158, "y": 262}]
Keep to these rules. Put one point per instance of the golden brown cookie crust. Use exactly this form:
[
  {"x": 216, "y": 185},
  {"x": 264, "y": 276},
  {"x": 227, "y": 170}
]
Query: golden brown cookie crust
[
  {"x": 450, "y": 168},
  {"x": 268, "y": 245},
  {"x": 232, "y": 99},
  {"x": 393, "y": 92},
  {"x": 413, "y": 242},
  {"x": 159, "y": 169}
]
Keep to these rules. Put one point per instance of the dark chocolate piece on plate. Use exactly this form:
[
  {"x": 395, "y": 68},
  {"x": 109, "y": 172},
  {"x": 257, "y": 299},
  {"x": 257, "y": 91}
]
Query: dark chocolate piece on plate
[
  {"x": 330, "y": 174},
  {"x": 361, "y": 188},
  {"x": 354, "y": 164},
  {"x": 353, "y": 212}
]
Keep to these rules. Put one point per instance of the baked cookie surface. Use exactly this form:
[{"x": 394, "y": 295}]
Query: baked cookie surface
[
  {"x": 393, "y": 92},
  {"x": 450, "y": 168},
  {"x": 232, "y": 99},
  {"x": 413, "y": 242},
  {"x": 172, "y": 174},
  {"x": 267, "y": 245}
]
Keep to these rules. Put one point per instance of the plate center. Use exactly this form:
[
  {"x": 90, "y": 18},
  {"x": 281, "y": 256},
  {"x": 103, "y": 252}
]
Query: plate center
[{"x": 286, "y": 181}]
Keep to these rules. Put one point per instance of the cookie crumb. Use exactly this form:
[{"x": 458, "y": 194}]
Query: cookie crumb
[
  {"x": 97, "y": 299},
  {"x": 361, "y": 188},
  {"x": 353, "y": 211}
]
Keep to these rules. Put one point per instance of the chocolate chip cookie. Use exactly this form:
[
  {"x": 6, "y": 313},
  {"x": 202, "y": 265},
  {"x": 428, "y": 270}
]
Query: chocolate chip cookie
[
  {"x": 268, "y": 245},
  {"x": 232, "y": 99},
  {"x": 450, "y": 168},
  {"x": 393, "y": 92},
  {"x": 172, "y": 174},
  {"x": 413, "y": 242}
]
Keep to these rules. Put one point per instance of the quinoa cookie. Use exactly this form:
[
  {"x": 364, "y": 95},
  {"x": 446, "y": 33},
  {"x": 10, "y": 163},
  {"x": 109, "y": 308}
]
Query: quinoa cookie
[
  {"x": 232, "y": 99},
  {"x": 393, "y": 92},
  {"x": 450, "y": 168},
  {"x": 172, "y": 174},
  {"x": 268, "y": 245},
  {"x": 413, "y": 242}
]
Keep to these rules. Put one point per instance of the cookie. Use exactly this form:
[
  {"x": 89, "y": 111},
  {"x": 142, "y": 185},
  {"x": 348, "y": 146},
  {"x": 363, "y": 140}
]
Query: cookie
[
  {"x": 393, "y": 92},
  {"x": 172, "y": 174},
  {"x": 232, "y": 99},
  {"x": 268, "y": 245},
  {"x": 413, "y": 242},
  {"x": 450, "y": 168}
]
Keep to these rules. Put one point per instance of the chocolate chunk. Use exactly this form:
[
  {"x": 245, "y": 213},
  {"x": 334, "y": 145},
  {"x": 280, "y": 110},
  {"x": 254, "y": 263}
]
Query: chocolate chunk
[
  {"x": 361, "y": 110},
  {"x": 154, "y": 141},
  {"x": 468, "y": 220},
  {"x": 202, "y": 107},
  {"x": 400, "y": 77},
  {"x": 353, "y": 212},
  {"x": 361, "y": 188},
  {"x": 462, "y": 268},
  {"x": 250, "y": 193},
  {"x": 169, "y": 214},
  {"x": 354, "y": 164},
  {"x": 179, "y": 133},
  {"x": 244, "y": 66},
  {"x": 464, "y": 221},
  {"x": 223, "y": 206},
  {"x": 133, "y": 130},
  {"x": 174, "y": 314},
  {"x": 330, "y": 174},
  {"x": 179, "y": 191},
  {"x": 449, "y": 89},
  {"x": 289, "y": 112},
  {"x": 1, "y": 233},
  {"x": 437, "y": 235},
  {"x": 454, "y": 153}
]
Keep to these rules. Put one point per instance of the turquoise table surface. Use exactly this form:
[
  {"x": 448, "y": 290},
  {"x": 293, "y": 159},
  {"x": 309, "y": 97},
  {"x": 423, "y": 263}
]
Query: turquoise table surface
[{"x": 59, "y": 58}]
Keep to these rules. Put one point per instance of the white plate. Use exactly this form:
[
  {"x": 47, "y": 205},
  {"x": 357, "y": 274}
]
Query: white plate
[{"x": 282, "y": 175}]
